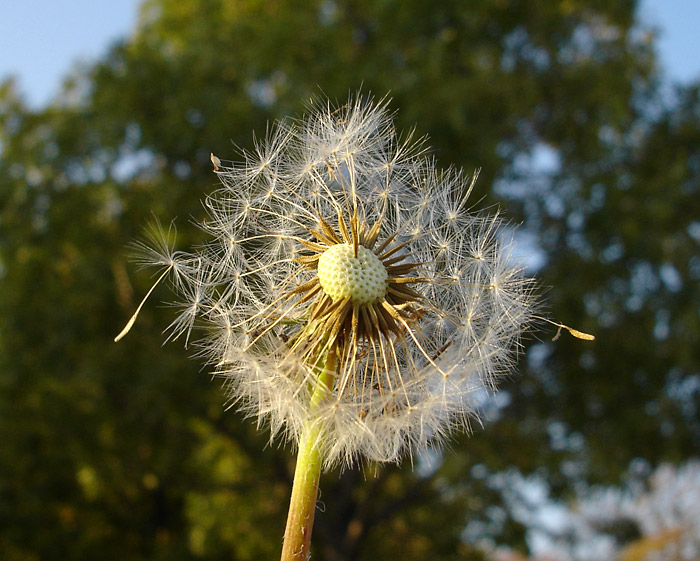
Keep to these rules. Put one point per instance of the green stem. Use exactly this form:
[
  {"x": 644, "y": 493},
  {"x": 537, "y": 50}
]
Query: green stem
[{"x": 302, "y": 505}]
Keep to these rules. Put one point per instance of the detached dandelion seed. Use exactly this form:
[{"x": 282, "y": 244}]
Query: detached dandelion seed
[{"x": 349, "y": 297}]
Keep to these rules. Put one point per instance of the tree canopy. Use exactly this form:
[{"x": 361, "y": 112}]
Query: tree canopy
[{"x": 125, "y": 451}]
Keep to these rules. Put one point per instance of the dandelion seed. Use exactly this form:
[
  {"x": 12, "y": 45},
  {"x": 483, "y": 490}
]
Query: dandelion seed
[
  {"x": 349, "y": 298},
  {"x": 216, "y": 162}
]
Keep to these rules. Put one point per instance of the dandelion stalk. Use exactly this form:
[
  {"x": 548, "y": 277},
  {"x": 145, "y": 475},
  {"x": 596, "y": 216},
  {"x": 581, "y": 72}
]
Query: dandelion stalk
[{"x": 302, "y": 505}]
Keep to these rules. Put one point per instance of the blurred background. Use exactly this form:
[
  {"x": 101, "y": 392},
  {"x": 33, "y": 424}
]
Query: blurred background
[{"x": 584, "y": 117}]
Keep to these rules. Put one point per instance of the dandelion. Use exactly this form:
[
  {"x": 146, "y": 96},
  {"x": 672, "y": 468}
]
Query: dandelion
[{"x": 349, "y": 297}]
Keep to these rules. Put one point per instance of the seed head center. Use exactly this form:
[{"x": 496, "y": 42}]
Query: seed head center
[{"x": 342, "y": 275}]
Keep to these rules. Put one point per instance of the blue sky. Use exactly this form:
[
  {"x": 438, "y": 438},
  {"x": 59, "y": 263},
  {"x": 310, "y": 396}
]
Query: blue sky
[{"x": 41, "y": 40}]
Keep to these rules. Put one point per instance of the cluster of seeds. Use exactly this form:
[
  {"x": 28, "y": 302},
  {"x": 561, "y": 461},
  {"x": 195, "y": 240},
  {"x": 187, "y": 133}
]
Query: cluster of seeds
[{"x": 334, "y": 237}]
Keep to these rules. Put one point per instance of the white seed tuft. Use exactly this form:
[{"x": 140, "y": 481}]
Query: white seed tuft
[{"x": 334, "y": 235}]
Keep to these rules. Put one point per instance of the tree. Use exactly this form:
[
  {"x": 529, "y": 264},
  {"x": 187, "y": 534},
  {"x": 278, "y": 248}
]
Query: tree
[
  {"x": 125, "y": 451},
  {"x": 648, "y": 518}
]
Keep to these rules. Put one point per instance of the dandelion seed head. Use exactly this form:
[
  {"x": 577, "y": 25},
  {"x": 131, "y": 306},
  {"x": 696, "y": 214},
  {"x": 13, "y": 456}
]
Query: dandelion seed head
[{"x": 336, "y": 235}]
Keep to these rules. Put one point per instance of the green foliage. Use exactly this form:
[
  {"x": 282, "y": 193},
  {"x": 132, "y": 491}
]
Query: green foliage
[
  {"x": 633, "y": 257},
  {"x": 125, "y": 451}
]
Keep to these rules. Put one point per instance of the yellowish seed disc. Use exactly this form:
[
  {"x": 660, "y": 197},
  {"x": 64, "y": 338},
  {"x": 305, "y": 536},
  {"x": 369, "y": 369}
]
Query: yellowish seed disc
[{"x": 342, "y": 275}]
